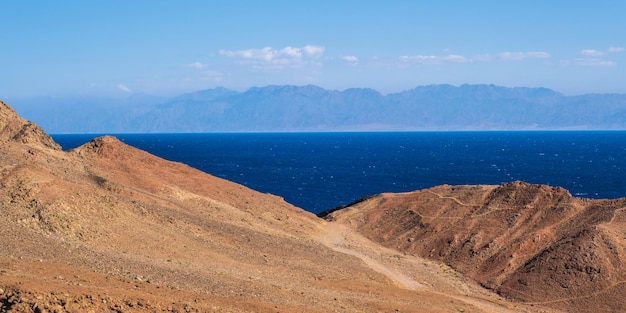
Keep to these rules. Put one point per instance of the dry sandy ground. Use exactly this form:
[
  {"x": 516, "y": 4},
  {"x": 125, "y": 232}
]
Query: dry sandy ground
[
  {"x": 532, "y": 243},
  {"x": 109, "y": 228}
]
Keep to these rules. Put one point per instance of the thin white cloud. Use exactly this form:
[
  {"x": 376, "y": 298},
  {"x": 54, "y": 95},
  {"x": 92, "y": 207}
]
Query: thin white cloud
[
  {"x": 594, "y": 62},
  {"x": 455, "y": 58},
  {"x": 313, "y": 51},
  {"x": 593, "y": 58},
  {"x": 517, "y": 56},
  {"x": 586, "y": 62},
  {"x": 350, "y": 58},
  {"x": 483, "y": 57},
  {"x": 285, "y": 56},
  {"x": 591, "y": 53},
  {"x": 123, "y": 88},
  {"x": 433, "y": 59},
  {"x": 197, "y": 65}
]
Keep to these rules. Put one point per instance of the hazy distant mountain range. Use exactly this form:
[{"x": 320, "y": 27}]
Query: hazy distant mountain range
[{"x": 311, "y": 108}]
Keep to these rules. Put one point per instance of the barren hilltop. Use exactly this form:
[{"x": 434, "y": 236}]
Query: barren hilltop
[
  {"x": 531, "y": 243},
  {"x": 106, "y": 227}
]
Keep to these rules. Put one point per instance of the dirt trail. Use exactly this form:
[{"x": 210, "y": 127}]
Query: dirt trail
[
  {"x": 341, "y": 239},
  {"x": 345, "y": 240},
  {"x": 405, "y": 271},
  {"x": 451, "y": 198}
]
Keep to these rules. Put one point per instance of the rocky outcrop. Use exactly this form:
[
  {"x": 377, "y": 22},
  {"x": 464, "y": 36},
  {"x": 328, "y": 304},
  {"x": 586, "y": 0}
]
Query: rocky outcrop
[
  {"x": 533, "y": 243},
  {"x": 13, "y": 127}
]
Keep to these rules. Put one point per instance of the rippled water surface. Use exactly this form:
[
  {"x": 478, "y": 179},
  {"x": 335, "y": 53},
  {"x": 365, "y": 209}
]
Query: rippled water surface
[{"x": 319, "y": 171}]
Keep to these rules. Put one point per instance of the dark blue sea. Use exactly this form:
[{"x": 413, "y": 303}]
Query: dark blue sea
[{"x": 320, "y": 171}]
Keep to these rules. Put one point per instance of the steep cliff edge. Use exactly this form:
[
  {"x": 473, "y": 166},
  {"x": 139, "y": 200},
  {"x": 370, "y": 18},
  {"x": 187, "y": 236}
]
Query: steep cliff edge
[{"x": 533, "y": 243}]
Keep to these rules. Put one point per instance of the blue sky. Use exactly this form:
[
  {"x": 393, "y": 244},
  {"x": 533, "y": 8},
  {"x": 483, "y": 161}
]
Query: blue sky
[{"x": 116, "y": 48}]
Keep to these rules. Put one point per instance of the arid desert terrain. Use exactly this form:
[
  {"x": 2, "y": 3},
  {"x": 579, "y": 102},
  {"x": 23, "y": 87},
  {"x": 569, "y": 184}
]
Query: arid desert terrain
[{"x": 106, "y": 227}]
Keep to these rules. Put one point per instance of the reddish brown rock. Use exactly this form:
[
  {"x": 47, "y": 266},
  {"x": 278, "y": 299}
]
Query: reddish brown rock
[{"x": 531, "y": 243}]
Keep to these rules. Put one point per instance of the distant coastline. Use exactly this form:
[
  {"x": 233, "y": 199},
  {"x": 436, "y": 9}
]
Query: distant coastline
[{"x": 311, "y": 108}]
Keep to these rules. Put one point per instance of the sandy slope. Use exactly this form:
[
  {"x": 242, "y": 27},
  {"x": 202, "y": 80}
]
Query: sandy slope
[
  {"x": 532, "y": 243},
  {"x": 107, "y": 227}
]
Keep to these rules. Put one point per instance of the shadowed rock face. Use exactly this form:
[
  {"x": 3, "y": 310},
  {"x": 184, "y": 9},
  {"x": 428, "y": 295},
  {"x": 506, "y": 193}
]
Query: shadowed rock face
[
  {"x": 107, "y": 227},
  {"x": 532, "y": 243}
]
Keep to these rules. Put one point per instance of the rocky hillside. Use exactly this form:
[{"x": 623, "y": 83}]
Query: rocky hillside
[
  {"x": 531, "y": 243},
  {"x": 109, "y": 228}
]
